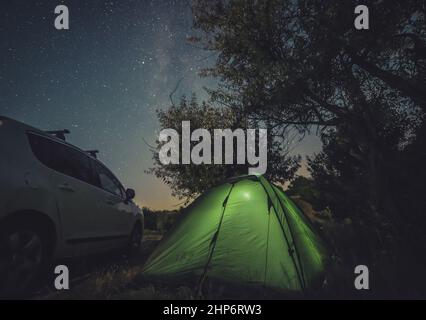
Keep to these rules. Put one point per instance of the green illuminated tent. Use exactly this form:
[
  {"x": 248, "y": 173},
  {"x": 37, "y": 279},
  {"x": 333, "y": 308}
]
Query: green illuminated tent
[{"x": 246, "y": 231}]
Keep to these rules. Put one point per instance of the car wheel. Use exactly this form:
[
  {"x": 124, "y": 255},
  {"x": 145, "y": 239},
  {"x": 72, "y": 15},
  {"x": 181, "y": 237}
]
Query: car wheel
[
  {"x": 23, "y": 257},
  {"x": 135, "y": 239}
]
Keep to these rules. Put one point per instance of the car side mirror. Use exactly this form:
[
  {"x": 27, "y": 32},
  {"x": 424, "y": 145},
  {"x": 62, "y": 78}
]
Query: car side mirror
[{"x": 130, "y": 194}]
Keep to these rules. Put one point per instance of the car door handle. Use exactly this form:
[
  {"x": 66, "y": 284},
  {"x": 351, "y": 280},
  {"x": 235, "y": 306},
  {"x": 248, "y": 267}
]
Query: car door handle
[{"x": 65, "y": 187}]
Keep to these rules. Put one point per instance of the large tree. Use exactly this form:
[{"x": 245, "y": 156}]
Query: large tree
[{"x": 302, "y": 64}]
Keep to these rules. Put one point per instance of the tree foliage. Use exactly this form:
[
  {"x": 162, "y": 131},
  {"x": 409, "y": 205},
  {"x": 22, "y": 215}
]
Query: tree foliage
[{"x": 188, "y": 181}]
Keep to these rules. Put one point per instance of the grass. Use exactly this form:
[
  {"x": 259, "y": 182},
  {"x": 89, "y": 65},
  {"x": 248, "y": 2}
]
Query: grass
[{"x": 121, "y": 277}]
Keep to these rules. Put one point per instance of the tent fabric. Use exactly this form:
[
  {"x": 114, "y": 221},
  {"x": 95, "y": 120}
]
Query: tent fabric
[{"x": 245, "y": 231}]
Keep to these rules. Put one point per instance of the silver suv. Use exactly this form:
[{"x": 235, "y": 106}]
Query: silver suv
[{"x": 56, "y": 201}]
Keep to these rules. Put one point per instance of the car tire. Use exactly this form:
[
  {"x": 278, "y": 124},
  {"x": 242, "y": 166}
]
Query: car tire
[
  {"x": 24, "y": 257},
  {"x": 135, "y": 239}
]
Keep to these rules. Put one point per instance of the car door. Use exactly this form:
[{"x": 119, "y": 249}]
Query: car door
[
  {"x": 115, "y": 220},
  {"x": 73, "y": 184}
]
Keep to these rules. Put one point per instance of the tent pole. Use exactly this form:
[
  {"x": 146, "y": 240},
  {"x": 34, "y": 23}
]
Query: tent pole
[
  {"x": 292, "y": 236},
  {"x": 213, "y": 244},
  {"x": 285, "y": 236},
  {"x": 267, "y": 242}
]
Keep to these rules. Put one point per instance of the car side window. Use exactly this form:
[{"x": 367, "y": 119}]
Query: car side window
[
  {"x": 107, "y": 180},
  {"x": 41, "y": 148},
  {"x": 62, "y": 158}
]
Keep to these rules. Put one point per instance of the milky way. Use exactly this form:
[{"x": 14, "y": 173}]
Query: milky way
[{"x": 103, "y": 78}]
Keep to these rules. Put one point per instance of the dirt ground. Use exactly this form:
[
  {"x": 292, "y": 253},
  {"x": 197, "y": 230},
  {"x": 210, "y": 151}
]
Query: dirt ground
[{"x": 111, "y": 276}]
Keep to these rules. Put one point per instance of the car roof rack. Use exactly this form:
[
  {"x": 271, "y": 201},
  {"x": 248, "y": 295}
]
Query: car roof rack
[
  {"x": 93, "y": 153},
  {"x": 60, "y": 134}
]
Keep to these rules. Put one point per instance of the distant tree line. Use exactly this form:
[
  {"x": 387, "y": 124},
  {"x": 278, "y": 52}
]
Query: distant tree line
[{"x": 159, "y": 220}]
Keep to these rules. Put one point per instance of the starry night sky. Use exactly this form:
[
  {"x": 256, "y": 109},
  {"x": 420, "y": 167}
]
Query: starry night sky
[{"x": 103, "y": 78}]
